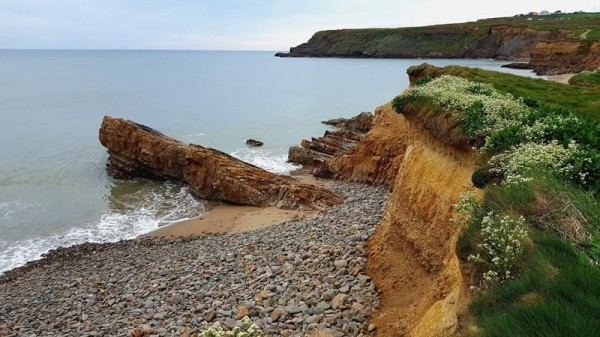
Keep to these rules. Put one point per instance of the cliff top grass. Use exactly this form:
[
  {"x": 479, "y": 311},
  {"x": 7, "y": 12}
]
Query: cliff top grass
[
  {"x": 586, "y": 79},
  {"x": 581, "y": 26},
  {"x": 579, "y": 100}
]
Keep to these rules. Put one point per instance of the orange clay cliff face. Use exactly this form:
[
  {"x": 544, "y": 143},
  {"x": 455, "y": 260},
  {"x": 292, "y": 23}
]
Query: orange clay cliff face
[{"x": 412, "y": 254}]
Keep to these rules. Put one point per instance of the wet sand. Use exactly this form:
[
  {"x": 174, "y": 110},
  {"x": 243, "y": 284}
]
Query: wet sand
[{"x": 225, "y": 218}]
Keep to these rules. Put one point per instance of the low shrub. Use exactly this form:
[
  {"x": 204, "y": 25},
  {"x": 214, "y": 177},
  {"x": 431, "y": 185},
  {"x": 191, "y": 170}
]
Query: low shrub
[
  {"x": 501, "y": 249},
  {"x": 423, "y": 81},
  {"x": 248, "y": 329}
]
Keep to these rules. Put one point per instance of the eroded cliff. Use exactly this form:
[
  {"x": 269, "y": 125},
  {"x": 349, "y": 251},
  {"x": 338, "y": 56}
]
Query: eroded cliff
[{"x": 412, "y": 254}]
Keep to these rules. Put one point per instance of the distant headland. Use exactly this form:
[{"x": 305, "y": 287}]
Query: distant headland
[{"x": 548, "y": 43}]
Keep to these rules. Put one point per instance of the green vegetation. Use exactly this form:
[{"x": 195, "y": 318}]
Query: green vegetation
[
  {"x": 533, "y": 240},
  {"x": 248, "y": 329},
  {"x": 579, "y": 100},
  {"x": 586, "y": 78},
  {"x": 576, "y": 23},
  {"x": 557, "y": 295},
  {"x": 469, "y": 39}
]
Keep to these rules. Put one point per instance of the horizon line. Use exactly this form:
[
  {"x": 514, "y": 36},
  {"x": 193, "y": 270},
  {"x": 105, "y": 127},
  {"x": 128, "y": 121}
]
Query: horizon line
[{"x": 137, "y": 49}]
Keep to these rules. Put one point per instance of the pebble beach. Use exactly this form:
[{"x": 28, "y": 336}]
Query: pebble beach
[{"x": 290, "y": 278}]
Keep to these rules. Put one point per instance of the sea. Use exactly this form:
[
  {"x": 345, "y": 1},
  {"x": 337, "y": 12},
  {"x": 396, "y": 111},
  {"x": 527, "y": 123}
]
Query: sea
[{"x": 54, "y": 190}]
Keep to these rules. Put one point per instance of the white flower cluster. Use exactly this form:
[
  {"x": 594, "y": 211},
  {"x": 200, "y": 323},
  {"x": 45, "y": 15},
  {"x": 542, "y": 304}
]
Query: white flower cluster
[
  {"x": 248, "y": 329},
  {"x": 501, "y": 247},
  {"x": 541, "y": 128},
  {"x": 459, "y": 94},
  {"x": 517, "y": 163},
  {"x": 465, "y": 209}
]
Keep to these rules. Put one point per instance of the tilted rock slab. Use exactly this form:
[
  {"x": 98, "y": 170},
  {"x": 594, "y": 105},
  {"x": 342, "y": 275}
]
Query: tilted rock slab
[{"x": 138, "y": 151}]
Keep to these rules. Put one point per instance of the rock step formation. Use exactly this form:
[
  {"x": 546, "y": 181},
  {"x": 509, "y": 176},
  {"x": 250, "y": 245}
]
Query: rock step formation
[
  {"x": 138, "y": 151},
  {"x": 317, "y": 151}
]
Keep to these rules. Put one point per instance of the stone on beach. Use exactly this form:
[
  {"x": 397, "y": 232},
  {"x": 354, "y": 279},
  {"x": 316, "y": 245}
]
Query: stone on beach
[{"x": 168, "y": 287}]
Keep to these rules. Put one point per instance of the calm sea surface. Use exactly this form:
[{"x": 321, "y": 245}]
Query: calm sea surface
[{"x": 53, "y": 187}]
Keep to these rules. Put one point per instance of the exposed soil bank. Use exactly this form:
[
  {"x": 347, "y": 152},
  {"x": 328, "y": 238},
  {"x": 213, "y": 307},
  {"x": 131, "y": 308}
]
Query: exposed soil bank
[{"x": 411, "y": 256}]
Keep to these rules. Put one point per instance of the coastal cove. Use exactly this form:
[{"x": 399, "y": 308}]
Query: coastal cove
[{"x": 54, "y": 189}]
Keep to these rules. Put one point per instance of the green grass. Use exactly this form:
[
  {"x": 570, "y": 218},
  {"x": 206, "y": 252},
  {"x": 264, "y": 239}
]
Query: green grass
[
  {"x": 544, "y": 193},
  {"x": 557, "y": 295},
  {"x": 580, "y": 100},
  {"x": 576, "y": 23},
  {"x": 586, "y": 79},
  {"x": 594, "y": 35}
]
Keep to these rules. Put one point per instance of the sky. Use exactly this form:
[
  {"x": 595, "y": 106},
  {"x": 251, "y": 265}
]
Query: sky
[{"x": 273, "y": 25}]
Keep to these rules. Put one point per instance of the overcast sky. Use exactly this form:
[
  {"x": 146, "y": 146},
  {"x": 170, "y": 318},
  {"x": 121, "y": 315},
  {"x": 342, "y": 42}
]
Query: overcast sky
[{"x": 230, "y": 24}]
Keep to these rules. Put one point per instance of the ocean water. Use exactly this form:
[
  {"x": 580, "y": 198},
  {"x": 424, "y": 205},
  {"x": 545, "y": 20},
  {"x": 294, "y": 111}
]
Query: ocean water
[{"x": 54, "y": 190}]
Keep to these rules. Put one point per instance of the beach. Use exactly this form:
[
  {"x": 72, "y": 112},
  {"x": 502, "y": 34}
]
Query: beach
[
  {"x": 226, "y": 218},
  {"x": 299, "y": 275}
]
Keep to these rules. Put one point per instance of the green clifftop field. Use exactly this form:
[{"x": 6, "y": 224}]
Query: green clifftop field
[{"x": 514, "y": 38}]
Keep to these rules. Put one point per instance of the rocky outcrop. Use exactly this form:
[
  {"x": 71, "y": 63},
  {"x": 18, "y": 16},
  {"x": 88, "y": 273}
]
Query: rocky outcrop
[
  {"x": 513, "y": 43},
  {"x": 254, "y": 143},
  {"x": 360, "y": 123},
  {"x": 317, "y": 151},
  {"x": 139, "y": 151},
  {"x": 553, "y": 58},
  {"x": 411, "y": 256}
]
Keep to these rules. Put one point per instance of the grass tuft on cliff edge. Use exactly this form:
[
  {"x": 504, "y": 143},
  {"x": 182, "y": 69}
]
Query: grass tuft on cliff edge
[{"x": 533, "y": 241}]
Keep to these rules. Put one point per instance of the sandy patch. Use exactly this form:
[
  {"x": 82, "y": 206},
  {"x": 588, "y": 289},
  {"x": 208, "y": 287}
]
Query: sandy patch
[
  {"x": 232, "y": 218},
  {"x": 564, "y": 78}
]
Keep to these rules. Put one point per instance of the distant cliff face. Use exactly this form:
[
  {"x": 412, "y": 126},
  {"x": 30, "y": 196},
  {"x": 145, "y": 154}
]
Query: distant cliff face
[
  {"x": 450, "y": 41},
  {"x": 550, "y": 51},
  {"x": 560, "y": 57}
]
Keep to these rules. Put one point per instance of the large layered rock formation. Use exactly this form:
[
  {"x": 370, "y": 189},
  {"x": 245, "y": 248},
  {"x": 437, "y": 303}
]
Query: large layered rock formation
[
  {"x": 318, "y": 150},
  {"x": 139, "y": 151}
]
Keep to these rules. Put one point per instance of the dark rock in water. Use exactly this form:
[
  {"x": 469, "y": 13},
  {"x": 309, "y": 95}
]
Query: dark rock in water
[
  {"x": 139, "y": 151},
  {"x": 361, "y": 123},
  {"x": 254, "y": 142},
  {"x": 517, "y": 65}
]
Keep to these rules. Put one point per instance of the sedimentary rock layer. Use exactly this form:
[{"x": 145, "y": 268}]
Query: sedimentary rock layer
[
  {"x": 139, "y": 151},
  {"x": 411, "y": 256},
  {"x": 317, "y": 151}
]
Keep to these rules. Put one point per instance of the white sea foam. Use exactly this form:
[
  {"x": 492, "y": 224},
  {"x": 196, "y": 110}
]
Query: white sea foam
[
  {"x": 193, "y": 136},
  {"x": 166, "y": 205},
  {"x": 271, "y": 160}
]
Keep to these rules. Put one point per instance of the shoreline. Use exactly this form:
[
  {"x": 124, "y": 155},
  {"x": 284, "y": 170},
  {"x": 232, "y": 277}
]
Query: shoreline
[
  {"x": 297, "y": 276},
  {"x": 228, "y": 218},
  {"x": 562, "y": 78}
]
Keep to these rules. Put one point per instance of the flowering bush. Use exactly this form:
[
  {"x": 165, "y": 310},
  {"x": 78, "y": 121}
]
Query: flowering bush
[
  {"x": 465, "y": 211},
  {"x": 481, "y": 109},
  {"x": 517, "y": 163},
  {"x": 501, "y": 248},
  {"x": 248, "y": 329}
]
